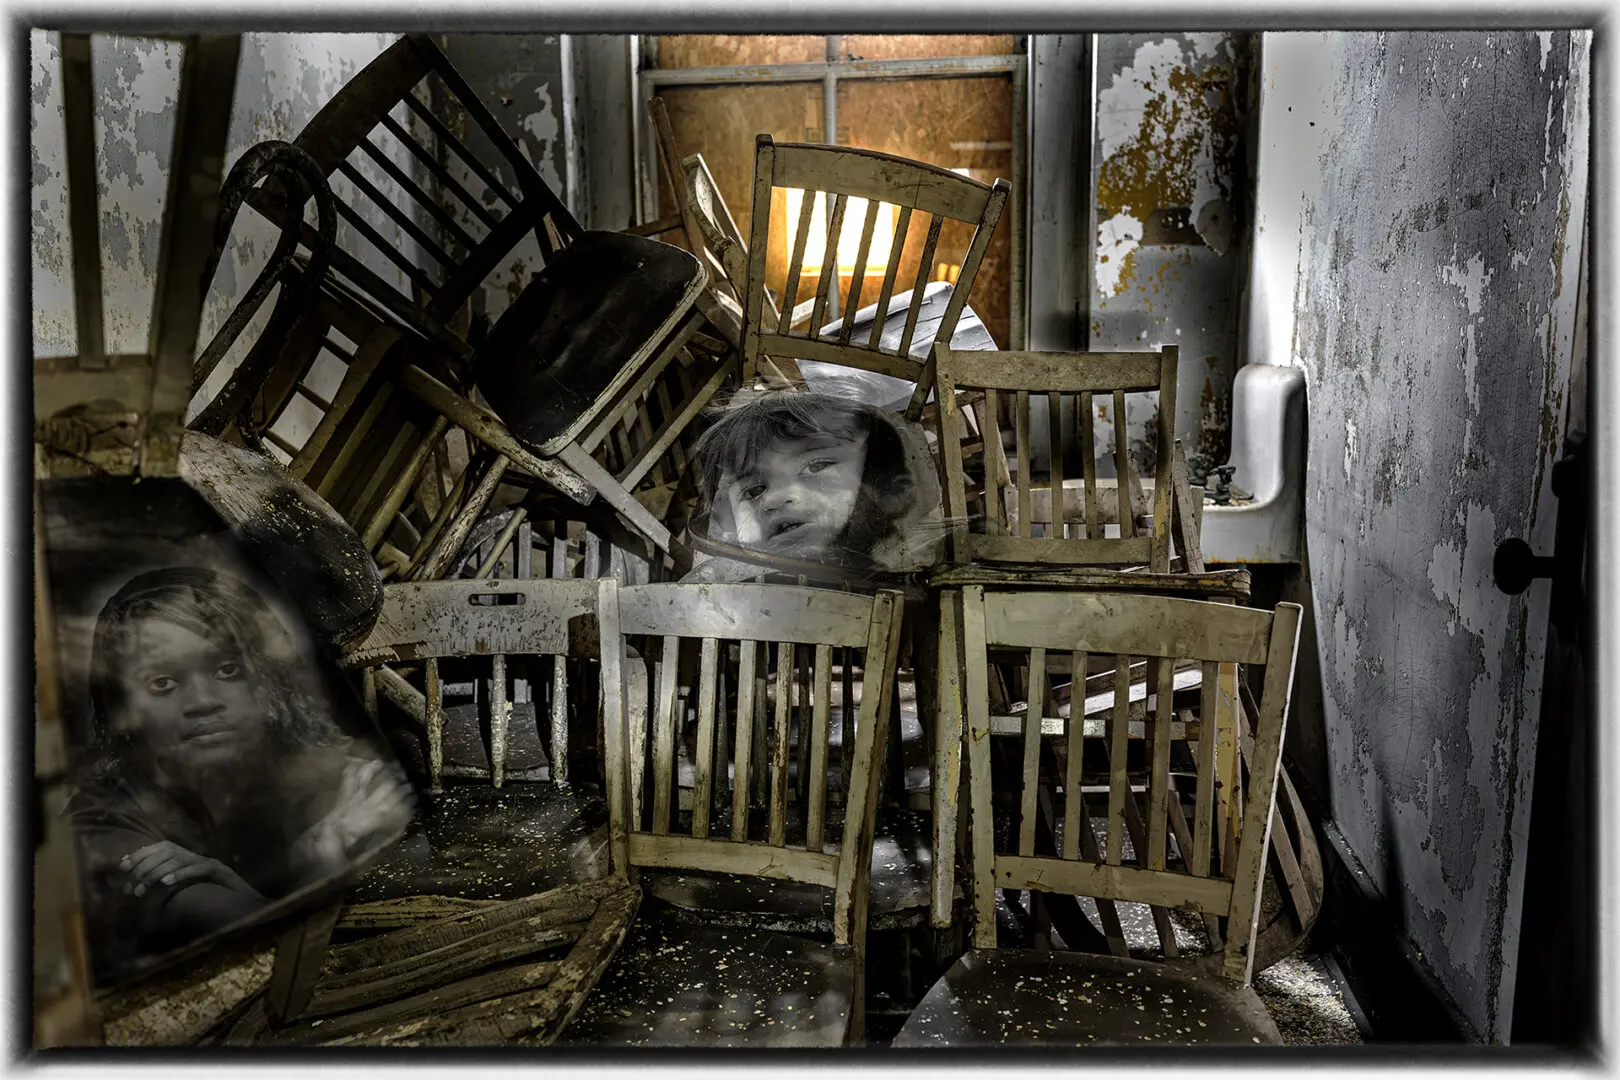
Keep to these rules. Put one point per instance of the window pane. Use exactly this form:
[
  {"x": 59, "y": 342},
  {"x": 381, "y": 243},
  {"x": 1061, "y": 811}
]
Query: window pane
[
  {"x": 913, "y": 46},
  {"x": 961, "y": 124},
  {"x": 720, "y": 123},
  {"x": 726, "y": 50}
]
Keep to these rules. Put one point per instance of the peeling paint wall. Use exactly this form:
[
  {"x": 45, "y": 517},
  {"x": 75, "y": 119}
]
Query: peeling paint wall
[
  {"x": 524, "y": 79},
  {"x": 283, "y": 79},
  {"x": 1419, "y": 208},
  {"x": 1165, "y": 260},
  {"x": 50, "y": 246}
]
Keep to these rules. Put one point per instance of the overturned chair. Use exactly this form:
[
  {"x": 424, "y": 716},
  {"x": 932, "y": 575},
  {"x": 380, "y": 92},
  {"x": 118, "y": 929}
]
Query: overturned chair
[{"x": 616, "y": 320}]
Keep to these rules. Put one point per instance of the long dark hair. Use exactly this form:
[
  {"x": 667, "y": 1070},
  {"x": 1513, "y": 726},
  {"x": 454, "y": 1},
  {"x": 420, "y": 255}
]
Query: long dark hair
[
  {"x": 223, "y": 610},
  {"x": 733, "y": 443}
]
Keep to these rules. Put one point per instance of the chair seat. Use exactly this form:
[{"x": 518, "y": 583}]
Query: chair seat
[
  {"x": 493, "y": 844},
  {"x": 572, "y": 333},
  {"x": 902, "y": 869},
  {"x": 292, "y": 534},
  {"x": 1001, "y": 996},
  {"x": 674, "y": 984}
]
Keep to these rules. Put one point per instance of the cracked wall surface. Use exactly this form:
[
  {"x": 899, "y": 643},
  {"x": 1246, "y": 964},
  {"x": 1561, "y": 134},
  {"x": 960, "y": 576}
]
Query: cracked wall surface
[
  {"x": 1165, "y": 258},
  {"x": 282, "y": 81},
  {"x": 1418, "y": 224},
  {"x": 522, "y": 78}
]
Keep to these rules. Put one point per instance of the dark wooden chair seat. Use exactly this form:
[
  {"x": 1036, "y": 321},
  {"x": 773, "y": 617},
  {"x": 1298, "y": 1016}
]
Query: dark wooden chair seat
[
  {"x": 578, "y": 327},
  {"x": 307, "y": 549},
  {"x": 494, "y": 844},
  {"x": 1030, "y": 997},
  {"x": 674, "y": 983}
]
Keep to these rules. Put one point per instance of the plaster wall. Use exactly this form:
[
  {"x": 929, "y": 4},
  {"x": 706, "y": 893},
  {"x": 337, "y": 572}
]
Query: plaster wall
[
  {"x": 526, "y": 80},
  {"x": 1418, "y": 224},
  {"x": 283, "y": 79},
  {"x": 1167, "y": 239}
]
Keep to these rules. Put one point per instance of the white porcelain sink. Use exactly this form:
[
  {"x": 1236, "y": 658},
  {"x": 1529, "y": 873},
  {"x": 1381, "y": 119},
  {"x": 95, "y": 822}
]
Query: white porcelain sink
[{"x": 1268, "y": 452}]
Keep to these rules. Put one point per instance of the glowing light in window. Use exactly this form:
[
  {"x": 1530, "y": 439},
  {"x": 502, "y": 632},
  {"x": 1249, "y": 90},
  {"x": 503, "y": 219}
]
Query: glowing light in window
[{"x": 849, "y": 234}]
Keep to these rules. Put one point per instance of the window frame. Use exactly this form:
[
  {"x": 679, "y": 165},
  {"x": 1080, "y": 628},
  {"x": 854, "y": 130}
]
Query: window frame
[{"x": 649, "y": 80}]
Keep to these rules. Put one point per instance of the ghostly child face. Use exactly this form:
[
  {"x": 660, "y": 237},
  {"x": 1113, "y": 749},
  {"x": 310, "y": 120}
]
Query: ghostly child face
[
  {"x": 798, "y": 496},
  {"x": 192, "y": 700}
]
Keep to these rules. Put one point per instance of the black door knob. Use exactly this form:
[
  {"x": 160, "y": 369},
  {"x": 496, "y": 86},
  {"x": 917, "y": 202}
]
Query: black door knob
[{"x": 1516, "y": 566}]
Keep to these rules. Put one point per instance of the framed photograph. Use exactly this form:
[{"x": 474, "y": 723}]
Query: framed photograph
[{"x": 222, "y": 773}]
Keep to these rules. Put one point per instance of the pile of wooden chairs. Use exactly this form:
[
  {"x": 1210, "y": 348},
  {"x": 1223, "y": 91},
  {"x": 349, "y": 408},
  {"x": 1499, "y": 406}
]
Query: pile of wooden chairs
[{"x": 1072, "y": 651}]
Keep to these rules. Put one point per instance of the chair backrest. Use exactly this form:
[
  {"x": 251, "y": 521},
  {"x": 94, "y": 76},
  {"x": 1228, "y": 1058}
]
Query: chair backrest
[
  {"x": 915, "y": 189},
  {"x": 1010, "y": 513},
  {"x": 426, "y": 622},
  {"x": 396, "y": 165},
  {"x": 1077, "y": 627},
  {"x": 326, "y": 400},
  {"x": 750, "y": 640},
  {"x": 727, "y": 249}
]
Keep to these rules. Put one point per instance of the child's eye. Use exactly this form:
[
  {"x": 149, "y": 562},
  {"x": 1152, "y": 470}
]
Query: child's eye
[
  {"x": 820, "y": 464},
  {"x": 229, "y": 671},
  {"x": 752, "y": 492},
  {"x": 161, "y": 684}
]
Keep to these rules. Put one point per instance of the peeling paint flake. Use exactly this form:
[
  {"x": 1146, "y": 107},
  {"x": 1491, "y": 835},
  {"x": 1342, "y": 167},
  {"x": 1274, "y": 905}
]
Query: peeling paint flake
[
  {"x": 1471, "y": 280},
  {"x": 1445, "y": 576},
  {"x": 1116, "y": 239},
  {"x": 543, "y": 126}
]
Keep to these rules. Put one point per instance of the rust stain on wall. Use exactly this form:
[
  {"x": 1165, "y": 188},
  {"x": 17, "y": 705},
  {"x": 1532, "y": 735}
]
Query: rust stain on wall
[
  {"x": 1168, "y": 157},
  {"x": 1159, "y": 168}
]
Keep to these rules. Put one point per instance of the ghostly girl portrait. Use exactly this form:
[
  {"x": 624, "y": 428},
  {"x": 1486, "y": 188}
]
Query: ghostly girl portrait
[
  {"x": 218, "y": 781},
  {"x": 820, "y": 478}
]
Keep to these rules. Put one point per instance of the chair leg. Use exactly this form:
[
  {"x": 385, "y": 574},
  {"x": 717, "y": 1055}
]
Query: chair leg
[
  {"x": 636, "y": 691},
  {"x": 435, "y": 729},
  {"x": 559, "y": 669},
  {"x": 499, "y": 716},
  {"x": 559, "y": 721},
  {"x": 299, "y": 956}
]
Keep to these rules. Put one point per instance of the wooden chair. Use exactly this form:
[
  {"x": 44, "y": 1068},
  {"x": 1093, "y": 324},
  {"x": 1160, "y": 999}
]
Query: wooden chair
[
  {"x": 560, "y": 542},
  {"x": 345, "y": 402},
  {"x": 461, "y": 206},
  {"x": 845, "y": 172},
  {"x": 460, "y": 971},
  {"x": 457, "y": 226},
  {"x": 727, "y": 986},
  {"x": 726, "y": 251},
  {"x": 712, "y": 235},
  {"x": 1041, "y": 526},
  {"x": 428, "y": 623},
  {"x": 981, "y": 1000},
  {"x": 1084, "y": 533},
  {"x": 591, "y": 350}
]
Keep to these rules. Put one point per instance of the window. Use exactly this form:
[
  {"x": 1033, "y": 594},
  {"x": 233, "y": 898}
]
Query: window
[{"x": 956, "y": 101}]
